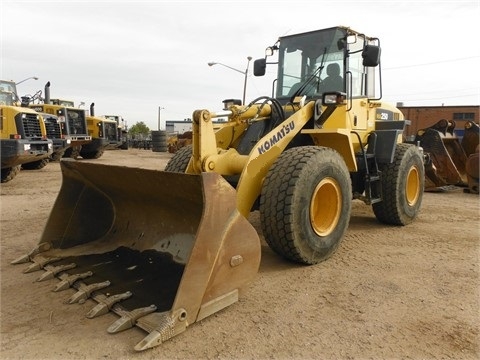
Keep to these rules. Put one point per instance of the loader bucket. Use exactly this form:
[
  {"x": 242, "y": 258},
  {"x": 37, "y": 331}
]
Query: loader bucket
[
  {"x": 470, "y": 143},
  {"x": 472, "y": 169},
  {"x": 447, "y": 159},
  {"x": 470, "y": 138},
  {"x": 162, "y": 250}
]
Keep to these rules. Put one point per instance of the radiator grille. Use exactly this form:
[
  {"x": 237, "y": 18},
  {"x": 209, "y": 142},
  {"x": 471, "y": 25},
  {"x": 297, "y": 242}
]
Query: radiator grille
[
  {"x": 111, "y": 131},
  {"x": 76, "y": 122},
  {"x": 31, "y": 125},
  {"x": 53, "y": 128}
]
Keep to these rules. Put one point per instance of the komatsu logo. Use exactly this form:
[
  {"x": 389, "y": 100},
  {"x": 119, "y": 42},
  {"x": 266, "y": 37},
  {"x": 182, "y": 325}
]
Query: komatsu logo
[{"x": 285, "y": 130}]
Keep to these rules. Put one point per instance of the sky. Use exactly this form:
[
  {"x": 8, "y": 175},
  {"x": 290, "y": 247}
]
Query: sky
[{"x": 148, "y": 60}]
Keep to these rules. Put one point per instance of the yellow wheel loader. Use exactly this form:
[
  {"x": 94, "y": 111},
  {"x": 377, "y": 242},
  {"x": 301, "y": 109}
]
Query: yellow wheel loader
[
  {"x": 104, "y": 134},
  {"x": 70, "y": 129},
  {"x": 23, "y": 135},
  {"x": 165, "y": 249}
]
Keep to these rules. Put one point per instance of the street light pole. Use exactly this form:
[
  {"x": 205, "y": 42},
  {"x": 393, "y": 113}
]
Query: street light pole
[
  {"x": 245, "y": 82},
  {"x": 31, "y": 77},
  {"x": 159, "y": 111},
  {"x": 245, "y": 73}
]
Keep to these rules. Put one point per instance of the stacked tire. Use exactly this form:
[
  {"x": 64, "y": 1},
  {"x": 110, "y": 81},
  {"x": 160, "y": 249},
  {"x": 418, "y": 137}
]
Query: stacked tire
[{"x": 159, "y": 141}]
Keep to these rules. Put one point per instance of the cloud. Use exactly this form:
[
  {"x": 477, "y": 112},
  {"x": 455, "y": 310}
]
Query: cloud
[{"x": 132, "y": 57}]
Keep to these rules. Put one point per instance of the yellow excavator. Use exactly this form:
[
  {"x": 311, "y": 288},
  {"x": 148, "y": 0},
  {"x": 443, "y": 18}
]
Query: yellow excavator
[{"x": 165, "y": 249}]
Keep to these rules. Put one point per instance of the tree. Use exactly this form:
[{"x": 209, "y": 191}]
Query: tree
[{"x": 139, "y": 131}]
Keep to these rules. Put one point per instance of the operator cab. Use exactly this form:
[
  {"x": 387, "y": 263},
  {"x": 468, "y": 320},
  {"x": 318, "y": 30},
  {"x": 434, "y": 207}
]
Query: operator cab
[
  {"x": 8, "y": 93},
  {"x": 332, "y": 60}
]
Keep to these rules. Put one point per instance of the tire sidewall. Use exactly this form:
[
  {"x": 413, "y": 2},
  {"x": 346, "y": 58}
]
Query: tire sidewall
[
  {"x": 308, "y": 240},
  {"x": 412, "y": 158},
  {"x": 180, "y": 160},
  {"x": 394, "y": 208},
  {"x": 286, "y": 198},
  {"x": 9, "y": 173}
]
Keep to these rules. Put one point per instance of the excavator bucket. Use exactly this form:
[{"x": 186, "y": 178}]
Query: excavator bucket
[
  {"x": 162, "y": 250},
  {"x": 446, "y": 157}
]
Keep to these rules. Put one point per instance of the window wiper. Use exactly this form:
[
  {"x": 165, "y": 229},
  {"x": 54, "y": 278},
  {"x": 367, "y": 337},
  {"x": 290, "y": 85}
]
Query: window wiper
[{"x": 318, "y": 71}]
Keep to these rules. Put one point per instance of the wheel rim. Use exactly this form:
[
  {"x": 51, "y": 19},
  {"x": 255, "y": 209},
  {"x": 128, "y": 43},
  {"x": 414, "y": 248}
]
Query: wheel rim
[
  {"x": 412, "y": 188},
  {"x": 325, "y": 206}
]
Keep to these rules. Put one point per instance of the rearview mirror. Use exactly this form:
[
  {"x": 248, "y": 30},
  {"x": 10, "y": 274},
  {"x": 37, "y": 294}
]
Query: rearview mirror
[
  {"x": 259, "y": 67},
  {"x": 371, "y": 55}
]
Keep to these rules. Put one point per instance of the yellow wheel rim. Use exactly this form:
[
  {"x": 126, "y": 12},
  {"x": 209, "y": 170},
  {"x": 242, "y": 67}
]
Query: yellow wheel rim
[
  {"x": 412, "y": 187},
  {"x": 325, "y": 206}
]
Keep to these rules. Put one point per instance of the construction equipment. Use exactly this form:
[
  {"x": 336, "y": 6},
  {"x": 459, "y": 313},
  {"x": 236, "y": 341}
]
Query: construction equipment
[
  {"x": 173, "y": 247},
  {"x": 72, "y": 121},
  {"x": 447, "y": 155},
  {"x": 121, "y": 128},
  {"x": 104, "y": 134},
  {"x": 470, "y": 144},
  {"x": 54, "y": 132},
  {"x": 177, "y": 141},
  {"x": 23, "y": 135},
  {"x": 53, "y": 129}
]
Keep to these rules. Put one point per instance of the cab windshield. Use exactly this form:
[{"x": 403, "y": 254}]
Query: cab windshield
[
  {"x": 6, "y": 98},
  {"x": 311, "y": 63}
]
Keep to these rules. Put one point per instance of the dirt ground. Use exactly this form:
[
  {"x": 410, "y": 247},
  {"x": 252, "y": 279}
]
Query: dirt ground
[{"x": 387, "y": 293}]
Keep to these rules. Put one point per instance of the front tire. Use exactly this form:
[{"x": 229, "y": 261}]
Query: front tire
[
  {"x": 36, "y": 165},
  {"x": 305, "y": 204},
  {"x": 9, "y": 173},
  {"x": 179, "y": 162},
  {"x": 403, "y": 183}
]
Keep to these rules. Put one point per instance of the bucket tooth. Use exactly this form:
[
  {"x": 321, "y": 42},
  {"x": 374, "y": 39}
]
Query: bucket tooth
[
  {"x": 130, "y": 318},
  {"x": 85, "y": 291},
  {"x": 54, "y": 270},
  {"x": 69, "y": 280},
  {"x": 104, "y": 305},
  {"x": 28, "y": 257},
  {"x": 169, "y": 325},
  {"x": 40, "y": 264}
]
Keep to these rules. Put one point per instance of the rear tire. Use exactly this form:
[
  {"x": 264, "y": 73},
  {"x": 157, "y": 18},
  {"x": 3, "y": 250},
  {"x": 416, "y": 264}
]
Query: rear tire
[
  {"x": 57, "y": 156},
  {"x": 72, "y": 152},
  {"x": 91, "y": 155},
  {"x": 305, "y": 204},
  {"x": 9, "y": 173},
  {"x": 403, "y": 183},
  {"x": 179, "y": 162},
  {"x": 36, "y": 165}
]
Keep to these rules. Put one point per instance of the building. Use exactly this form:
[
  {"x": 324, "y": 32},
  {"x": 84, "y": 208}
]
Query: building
[
  {"x": 426, "y": 116},
  {"x": 420, "y": 116},
  {"x": 180, "y": 127}
]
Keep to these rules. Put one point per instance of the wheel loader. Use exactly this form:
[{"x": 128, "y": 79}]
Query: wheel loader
[
  {"x": 54, "y": 132},
  {"x": 121, "y": 129},
  {"x": 165, "y": 249},
  {"x": 72, "y": 121},
  {"x": 104, "y": 134},
  {"x": 23, "y": 136}
]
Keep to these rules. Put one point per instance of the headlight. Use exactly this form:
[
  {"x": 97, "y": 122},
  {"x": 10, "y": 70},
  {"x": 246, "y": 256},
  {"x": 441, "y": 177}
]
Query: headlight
[{"x": 334, "y": 98}]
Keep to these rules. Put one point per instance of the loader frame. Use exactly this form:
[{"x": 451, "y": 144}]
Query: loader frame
[{"x": 299, "y": 157}]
